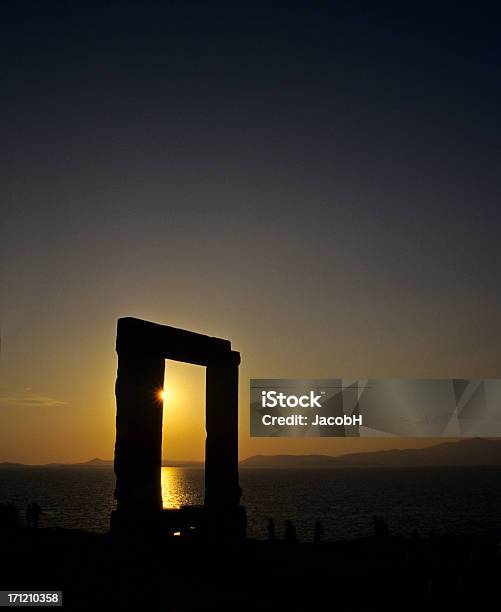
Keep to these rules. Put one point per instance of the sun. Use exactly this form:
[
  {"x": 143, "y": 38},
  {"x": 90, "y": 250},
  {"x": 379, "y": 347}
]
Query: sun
[{"x": 162, "y": 395}]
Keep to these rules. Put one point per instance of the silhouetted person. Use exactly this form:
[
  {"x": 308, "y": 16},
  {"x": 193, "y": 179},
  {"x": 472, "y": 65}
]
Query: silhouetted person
[
  {"x": 380, "y": 526},
  {"x": 242, "y": 522},
  {"x": 242, "y": 517},
  {"x": 318, "y": 533},
  {"x": 384, "y": 528},
  {"x": 36, "y": 511},
  {"x": 29, "y": 516},
  {"x": 290, "y": 535},
  {"x": 271, "y": 529}
]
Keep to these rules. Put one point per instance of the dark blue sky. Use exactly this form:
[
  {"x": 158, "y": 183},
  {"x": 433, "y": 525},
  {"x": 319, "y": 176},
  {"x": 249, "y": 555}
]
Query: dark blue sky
[{"x": 318, "y": 182}]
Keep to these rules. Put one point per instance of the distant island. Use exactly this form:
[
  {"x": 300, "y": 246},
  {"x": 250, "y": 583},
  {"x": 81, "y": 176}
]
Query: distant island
[
  {"x": 468, "y": 452},
  {"x": 95, "y": 463}
]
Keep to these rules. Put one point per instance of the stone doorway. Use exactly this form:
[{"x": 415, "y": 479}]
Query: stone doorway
[{"x": 142, "y": 349}]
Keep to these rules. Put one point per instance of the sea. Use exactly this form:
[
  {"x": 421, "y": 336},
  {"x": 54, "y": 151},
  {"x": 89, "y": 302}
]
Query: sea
[{"x": 439, "y": 501}]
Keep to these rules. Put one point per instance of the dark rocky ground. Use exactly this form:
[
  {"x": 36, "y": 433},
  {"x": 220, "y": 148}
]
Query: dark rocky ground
[{"x": 173, "y": 574}]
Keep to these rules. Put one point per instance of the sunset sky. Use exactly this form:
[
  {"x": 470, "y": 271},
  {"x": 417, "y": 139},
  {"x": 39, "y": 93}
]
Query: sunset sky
[{"x": 317, "y": 182}]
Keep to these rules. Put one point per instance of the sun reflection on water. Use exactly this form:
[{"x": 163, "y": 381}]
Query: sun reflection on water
[{"x": 177, "y": 490}]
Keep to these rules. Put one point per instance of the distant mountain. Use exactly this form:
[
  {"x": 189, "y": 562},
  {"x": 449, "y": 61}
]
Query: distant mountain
[
  {"x": 468, "y": 452},
  {"x": 109, "y": 463},
  {"x": 94, "y": 463},
  {"x": 290, "y": 461},
  {"x": 474, "y": 451}
]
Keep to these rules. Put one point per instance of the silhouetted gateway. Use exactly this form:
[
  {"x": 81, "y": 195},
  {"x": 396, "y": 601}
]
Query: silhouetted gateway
[{"x": 142, "y": 348}]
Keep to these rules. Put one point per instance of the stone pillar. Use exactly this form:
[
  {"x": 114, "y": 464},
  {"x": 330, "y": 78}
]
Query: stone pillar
[
  {"x": 222, "y": 490},
  {"x": 138, "y": 447}
]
